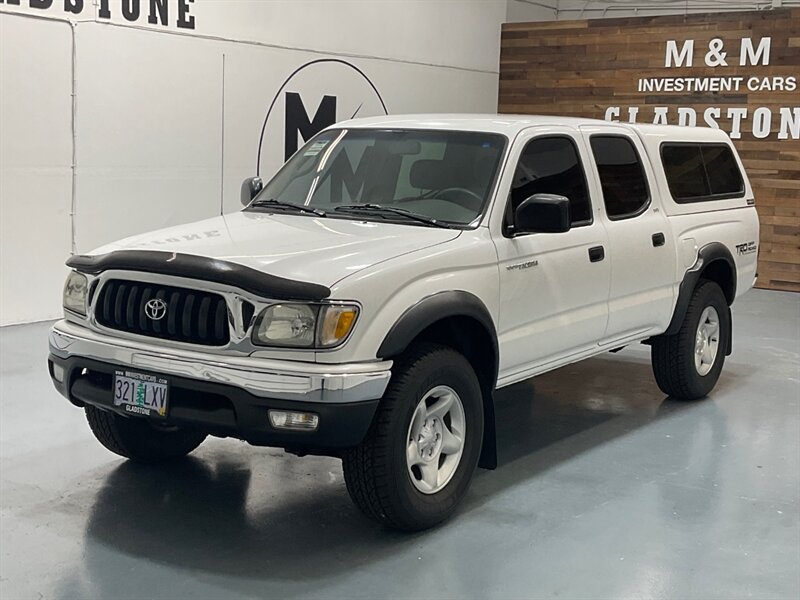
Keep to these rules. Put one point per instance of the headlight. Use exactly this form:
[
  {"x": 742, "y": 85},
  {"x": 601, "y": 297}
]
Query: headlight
[
  {"x": 304, "y": 325},
  {"x": 75, "y": 293}
]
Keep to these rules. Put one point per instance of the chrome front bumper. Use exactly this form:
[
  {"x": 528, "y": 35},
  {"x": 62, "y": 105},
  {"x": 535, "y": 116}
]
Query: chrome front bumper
[{"x": 282, "y": 380}]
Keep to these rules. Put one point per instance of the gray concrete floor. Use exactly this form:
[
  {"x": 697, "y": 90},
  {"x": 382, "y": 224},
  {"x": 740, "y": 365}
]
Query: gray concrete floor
[{"x": 606, "y": 490}]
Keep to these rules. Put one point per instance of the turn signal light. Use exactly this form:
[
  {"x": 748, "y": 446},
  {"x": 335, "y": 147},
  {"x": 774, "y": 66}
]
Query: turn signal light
[{"x": 336, "y": 323}]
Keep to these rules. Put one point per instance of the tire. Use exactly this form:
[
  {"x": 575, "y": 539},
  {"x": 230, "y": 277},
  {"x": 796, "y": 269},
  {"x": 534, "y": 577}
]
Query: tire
[
  {"x": 138, "y": 439},
  {"x": 378, "y": 474},
  {"x": 674, "y": 356}
]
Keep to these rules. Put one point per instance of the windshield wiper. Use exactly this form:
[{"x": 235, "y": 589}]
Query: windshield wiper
[
  {"x": 368, "y": 208},
  {"x": 288, "y": 205}
]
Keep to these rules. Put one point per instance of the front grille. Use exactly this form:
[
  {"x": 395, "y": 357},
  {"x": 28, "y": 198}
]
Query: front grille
[{"x": 191, "y": 316}]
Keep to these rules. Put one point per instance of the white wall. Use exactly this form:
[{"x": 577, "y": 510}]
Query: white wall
[
  {"x": 529, "y": 11},
  {"x": 163, "y": 137},
  {"x": 149, "y": 132},
  {"x": 35, "y": 166}
]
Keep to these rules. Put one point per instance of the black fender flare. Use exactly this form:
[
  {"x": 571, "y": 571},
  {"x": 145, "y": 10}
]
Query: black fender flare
[
  {"x": 708, "y": 254},
  {"x": 440, "y": 306},
  {"x": 428, "y": 311}
]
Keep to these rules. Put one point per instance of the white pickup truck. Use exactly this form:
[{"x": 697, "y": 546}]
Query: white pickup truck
[{"x": 369, "y": 299}]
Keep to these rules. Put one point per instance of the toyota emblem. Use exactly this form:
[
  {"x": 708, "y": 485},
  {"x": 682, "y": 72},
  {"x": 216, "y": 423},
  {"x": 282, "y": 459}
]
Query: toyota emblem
[{"x": 156, "y": 309}]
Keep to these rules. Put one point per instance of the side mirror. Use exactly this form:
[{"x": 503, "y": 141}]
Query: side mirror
[
  {"x": 542, "y": 213},
  {"x": 250, "y": 188}
]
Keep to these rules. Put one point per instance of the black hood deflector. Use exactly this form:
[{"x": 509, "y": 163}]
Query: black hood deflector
[{"x": 202, "y": 268}]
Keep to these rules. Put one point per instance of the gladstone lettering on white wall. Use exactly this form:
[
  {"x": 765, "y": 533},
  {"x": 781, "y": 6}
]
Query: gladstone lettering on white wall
[{"x": 167, "y": 13}]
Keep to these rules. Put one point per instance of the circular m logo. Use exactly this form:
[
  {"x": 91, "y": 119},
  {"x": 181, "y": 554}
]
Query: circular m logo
[{"x": 316, "y": 95}]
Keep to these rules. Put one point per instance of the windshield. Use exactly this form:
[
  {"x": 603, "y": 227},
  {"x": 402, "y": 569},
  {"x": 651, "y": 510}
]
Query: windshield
[{"x": 405, "y": 176}]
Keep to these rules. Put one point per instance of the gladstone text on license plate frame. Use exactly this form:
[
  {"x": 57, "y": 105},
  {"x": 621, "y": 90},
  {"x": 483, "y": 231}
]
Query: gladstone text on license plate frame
[{"x": 140, "y": 394}]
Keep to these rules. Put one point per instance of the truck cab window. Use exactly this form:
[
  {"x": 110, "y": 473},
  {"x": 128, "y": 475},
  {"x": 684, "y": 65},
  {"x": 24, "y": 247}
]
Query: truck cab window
[
  {"x": 551, "y": 165},
  {"x": 622, "y": 177}
]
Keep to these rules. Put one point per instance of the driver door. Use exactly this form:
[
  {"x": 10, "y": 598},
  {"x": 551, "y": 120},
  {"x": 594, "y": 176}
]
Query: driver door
[{"x": 554, "y": 287}]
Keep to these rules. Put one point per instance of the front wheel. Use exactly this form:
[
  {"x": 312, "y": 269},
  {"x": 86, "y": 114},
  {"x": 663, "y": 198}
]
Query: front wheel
[
  {"x": 687, "y": 365},
  {"x": 419, "y": 456},
  {"x": 139, "y": 439}
]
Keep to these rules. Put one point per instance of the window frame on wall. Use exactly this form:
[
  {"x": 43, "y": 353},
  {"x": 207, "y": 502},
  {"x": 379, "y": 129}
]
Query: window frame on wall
[
  {"x": 648, "y": 193},
  {"x": 711, "y": 196},
  {"x": 508, "y": 218}
]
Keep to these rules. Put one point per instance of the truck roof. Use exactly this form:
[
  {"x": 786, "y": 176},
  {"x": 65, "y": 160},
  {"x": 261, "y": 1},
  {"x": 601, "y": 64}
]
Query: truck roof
[{"x": 511, "y": 125}]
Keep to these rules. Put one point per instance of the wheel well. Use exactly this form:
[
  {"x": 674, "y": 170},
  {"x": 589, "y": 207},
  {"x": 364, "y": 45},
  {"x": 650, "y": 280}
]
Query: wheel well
[
  {"x": 468, "y": 337},
  {"x": 721, "y": 273},
  {"x": 478, "y": 345}
]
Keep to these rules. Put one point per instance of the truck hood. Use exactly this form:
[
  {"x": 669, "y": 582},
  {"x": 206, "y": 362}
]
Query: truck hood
[{"x": 303, "y": 248}]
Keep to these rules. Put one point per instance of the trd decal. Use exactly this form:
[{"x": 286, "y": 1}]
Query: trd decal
[{"x": 746, "y": 248}]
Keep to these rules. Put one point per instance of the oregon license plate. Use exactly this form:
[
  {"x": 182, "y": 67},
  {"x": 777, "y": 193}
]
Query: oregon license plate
[{"x": 140, "y": 394}]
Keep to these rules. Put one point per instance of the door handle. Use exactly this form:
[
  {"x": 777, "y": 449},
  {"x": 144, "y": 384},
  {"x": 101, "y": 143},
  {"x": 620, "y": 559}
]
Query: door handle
[
  {"x": 596, "y": 254},
  {"x": 658, "y": 239}
]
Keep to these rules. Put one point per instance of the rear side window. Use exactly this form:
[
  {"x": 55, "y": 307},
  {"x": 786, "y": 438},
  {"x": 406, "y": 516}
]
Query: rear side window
[
  {"x": 700, "y": 172},
  {"x": 723, "y": 172},
  {"x": 622, "y": 177}
]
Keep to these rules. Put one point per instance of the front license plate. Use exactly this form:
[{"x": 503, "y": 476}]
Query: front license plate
[{"x": 140, "y": 394}]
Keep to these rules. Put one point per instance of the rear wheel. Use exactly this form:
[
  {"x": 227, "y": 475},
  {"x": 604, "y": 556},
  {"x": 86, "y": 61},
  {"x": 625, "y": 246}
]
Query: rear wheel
[
  {"x": 419, "y": 456},
  {"x": 139, "y": 439},
  {"x": 687, "y": 365}
]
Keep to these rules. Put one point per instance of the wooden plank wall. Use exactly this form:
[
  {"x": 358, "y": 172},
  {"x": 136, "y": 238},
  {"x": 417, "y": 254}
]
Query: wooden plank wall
[{"x": 580, "y": 68}]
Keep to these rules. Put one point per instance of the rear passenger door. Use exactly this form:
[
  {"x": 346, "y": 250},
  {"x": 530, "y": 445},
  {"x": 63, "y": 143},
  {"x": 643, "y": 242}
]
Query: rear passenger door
[{"x": 640, "y": 244}]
